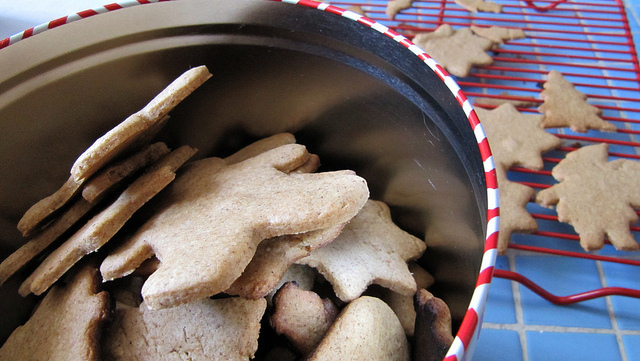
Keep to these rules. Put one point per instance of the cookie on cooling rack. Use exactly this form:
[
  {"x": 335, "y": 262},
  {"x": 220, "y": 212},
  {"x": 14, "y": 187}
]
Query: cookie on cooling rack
[
  {"x": 455, "y": 49},
  {"x": 566, "y": 106},
  {"x": 596, "y": 196},
  {"x": 480, "y": 6}
]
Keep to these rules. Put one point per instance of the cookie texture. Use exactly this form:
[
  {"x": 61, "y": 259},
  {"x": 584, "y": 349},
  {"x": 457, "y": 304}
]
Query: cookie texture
[
  {"x": 65, "y": 325},
  {"x": 480, "y": 6},
  {"x": 498, "y": 34},
  {"x": 136, "y": 126},
  {"x": 366, "y": 329},
  {"x": 515, "y": 139},
  {"x": 396, "y": 6},
  {"x": 456, "y": 50},
  {"x": 221, "y": 329},
  {"x": 370, "y": 250},
  {"x": 302, "y": 316},
  {"x": 273, "y": 258},
  {"x": 566, "y": 106},
  {"x": 102, "y": 227},
  {"x": 596, "y": 196},
  {"x": 208, "y": 224}
]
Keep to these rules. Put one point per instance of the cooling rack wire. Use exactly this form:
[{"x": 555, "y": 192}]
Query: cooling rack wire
[{"x": 557, "y": 288}]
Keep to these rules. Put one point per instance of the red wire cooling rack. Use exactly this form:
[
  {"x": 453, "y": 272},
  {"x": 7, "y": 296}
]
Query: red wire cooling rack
[{"x": 590, "y": 42}]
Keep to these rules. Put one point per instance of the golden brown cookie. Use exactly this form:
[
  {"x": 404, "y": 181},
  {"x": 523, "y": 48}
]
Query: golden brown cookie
[
  {"x": 514, "y": 217},
  {"x": 209, "y": 223},
  {"x": 566, "y": 106},
  {"x": 596, "y": 196},
  {"x": 302, "y": 316},
  {"x": 370, "y": 250},
  {"x": 221, "y": 329},
  {"x": 28, "y": 251},
  {"x": 274, "y": 256},
  {"x": 433, "y": 335},
  {"x": 366, "y": 329},
  {"x": 396, "y": 6},
  {"x": 498, "y": 34},
  {"x": 45, "y": 207},
  {"x": 99, "y": 230},
  {"x": 127, "y": 133},
  {"x": 516, "y": 138},
  {"x": 456, "y": 50},
  {"x": 480, "y": 6},
  {"x": 402, "y": 305},
  {"x": 65, "y": 325},
  {"x": 105, "y": 179}
]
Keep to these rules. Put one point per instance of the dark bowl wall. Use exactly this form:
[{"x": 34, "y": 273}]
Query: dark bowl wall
[{"x": 352, "y": 95}]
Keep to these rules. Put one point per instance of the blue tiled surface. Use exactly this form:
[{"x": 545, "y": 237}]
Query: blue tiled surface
[
  {"x": 551, "y": 346},
  {"x": 508, "y": 342}
]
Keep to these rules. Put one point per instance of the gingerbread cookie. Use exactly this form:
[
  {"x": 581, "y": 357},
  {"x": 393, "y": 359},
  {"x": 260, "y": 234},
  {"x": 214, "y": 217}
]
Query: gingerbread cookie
[
  {"x": 514, "y": 217},
  {"x": 137, "y": 126},
  {"x": 396, "y": 6},
  {"x": 456, "y": 50},
  {"x": 274, "y": 256},
  {"x": 480, "y": 6},
  {"x": 498, "y": 34},
  {"x": 221, "y": 212},
  {"x": 370, "y": 250},
  {"x": 516, "y": 138},
  {"x": 221, "y": 329},
  {"x": 366, "y": 329},
  {"x": 65, "y": 325},
  {"x": 566, "y": 106},
  {"x": 588, "y": 181},
  {"x": 105, "y": 179},
  {"x": 402, "y": 305},
  {"x": 45, "y": 207},
  {"x": 302, "y": 316},
  {"x": 99, "y": 230}
]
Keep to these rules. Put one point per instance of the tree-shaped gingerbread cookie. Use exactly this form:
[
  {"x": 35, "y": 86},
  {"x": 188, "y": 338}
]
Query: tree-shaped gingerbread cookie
[
  {"x": 566, "y": 106},
  {"x": 596, "y": 196}
]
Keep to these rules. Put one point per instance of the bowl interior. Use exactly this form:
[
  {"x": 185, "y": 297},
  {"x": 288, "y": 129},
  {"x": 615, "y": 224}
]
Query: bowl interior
[{"x": 348, "y": 93}]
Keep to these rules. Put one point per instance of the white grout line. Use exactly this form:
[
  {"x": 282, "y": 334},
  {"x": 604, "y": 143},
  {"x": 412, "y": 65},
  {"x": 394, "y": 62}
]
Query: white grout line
[
  {"x": 519, "y": 311},
  {"x": 558, "y": 329},
  {"x": 612, "y": 313}
]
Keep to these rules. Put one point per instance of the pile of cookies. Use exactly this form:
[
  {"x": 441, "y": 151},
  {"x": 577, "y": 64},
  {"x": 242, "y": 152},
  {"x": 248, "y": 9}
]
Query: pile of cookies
[{"x": 150, "y": 253}]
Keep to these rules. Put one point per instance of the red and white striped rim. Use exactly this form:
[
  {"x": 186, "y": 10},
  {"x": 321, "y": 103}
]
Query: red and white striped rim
[
  {"x": 469, "y": 330},
  {"x": 467, "y": 336}
]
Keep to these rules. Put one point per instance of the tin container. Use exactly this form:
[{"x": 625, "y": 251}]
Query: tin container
[{"x": 353, "y": 91}]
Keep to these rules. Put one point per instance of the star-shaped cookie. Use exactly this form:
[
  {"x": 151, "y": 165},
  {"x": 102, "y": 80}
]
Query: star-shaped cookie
[
  {"x": 516, "y": 138},
  {"x": 456, "y": 50},
  {"x": 566, "y": 106},
  {"x": 596, "y": 196},
  {"x": 370, "y": 250},
  {"x": 208, "y": 224}
]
